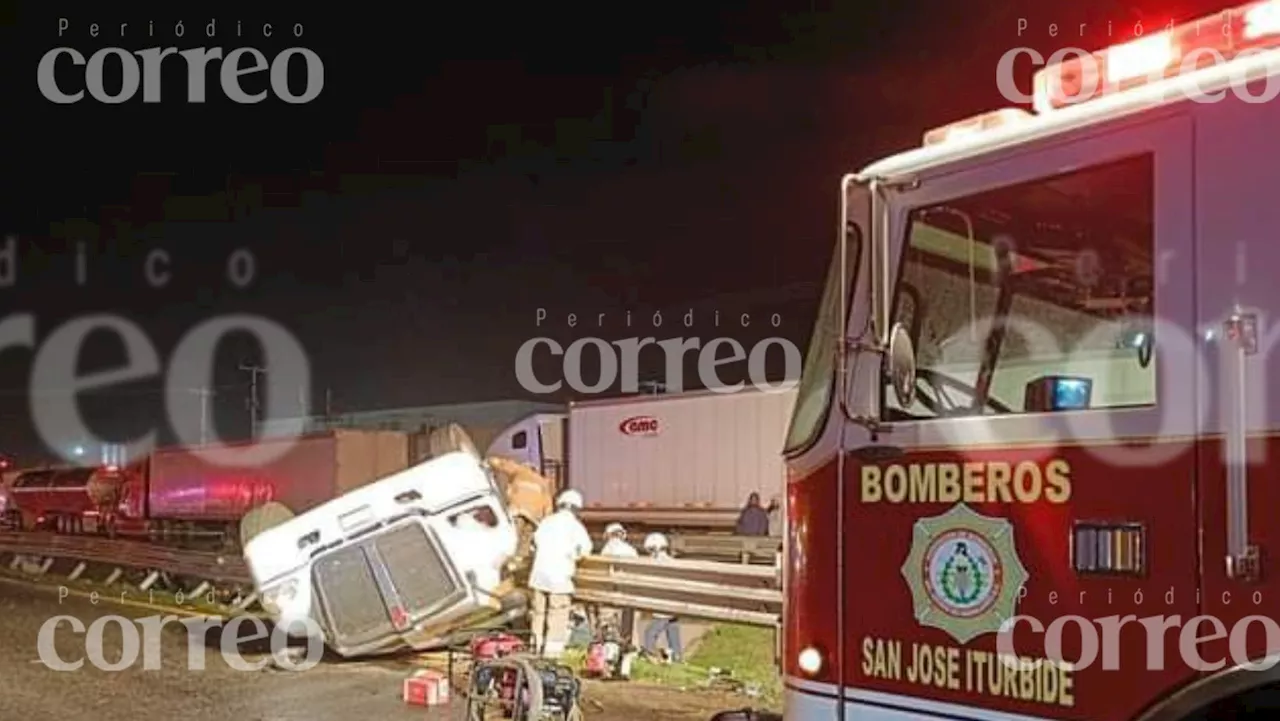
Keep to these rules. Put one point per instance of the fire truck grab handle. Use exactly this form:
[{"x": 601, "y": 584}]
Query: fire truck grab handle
[
  {"x": 879, "y": 274},
  {"x": 1240, "y": 342},
  {"x": 880, "y": 289}
]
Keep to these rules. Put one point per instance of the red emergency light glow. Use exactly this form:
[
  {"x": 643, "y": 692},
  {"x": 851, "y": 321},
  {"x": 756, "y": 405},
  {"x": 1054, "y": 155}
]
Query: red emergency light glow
[
  {"x": 975, "y": 125},
  {"x": 1262, "y": 20},
  {"x": 1206, "y": 42},
  {"x": 1140, "y": 58}
]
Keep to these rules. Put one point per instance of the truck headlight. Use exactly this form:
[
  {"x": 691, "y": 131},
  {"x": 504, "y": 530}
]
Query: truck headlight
[
  {"x": 810, "y": 661},
  {"x": 276, "y": 596}
]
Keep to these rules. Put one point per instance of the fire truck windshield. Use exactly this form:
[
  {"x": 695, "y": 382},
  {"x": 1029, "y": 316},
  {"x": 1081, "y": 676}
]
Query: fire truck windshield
[
  {"x": 1047, "y": 278},
  {"x": 817, "y": 379}
]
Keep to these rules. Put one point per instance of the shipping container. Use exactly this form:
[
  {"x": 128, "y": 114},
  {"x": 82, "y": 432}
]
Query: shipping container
[
  {"x": 688, "y": 459},
  {"x": 686, "y": 451},
  {"x": 185, "y": 486}
]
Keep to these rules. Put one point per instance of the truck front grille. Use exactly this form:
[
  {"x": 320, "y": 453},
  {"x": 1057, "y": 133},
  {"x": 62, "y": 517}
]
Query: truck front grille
[
  {"x": 350, "y": 597},
  {"x": 418, "y": 573},
  {"x": 376, "y": 589}
]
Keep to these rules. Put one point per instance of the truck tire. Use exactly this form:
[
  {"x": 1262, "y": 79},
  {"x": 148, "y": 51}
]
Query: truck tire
[
  {"x": 262, "y": 518},
  {"x": 450, "y": 439}
]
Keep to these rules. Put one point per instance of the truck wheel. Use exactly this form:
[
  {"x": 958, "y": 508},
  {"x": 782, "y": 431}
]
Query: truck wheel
[
  {"x": 263, "y": 518},
  {"x": 450, "y": 439},
  {"x": 288, "y": 658}
]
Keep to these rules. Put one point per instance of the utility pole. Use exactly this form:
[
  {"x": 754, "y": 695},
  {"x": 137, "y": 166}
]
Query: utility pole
[
  {"x": 653, "y": 387},
  {"x": 205, "y": 394},
  {"x": 254, "y": 371}
]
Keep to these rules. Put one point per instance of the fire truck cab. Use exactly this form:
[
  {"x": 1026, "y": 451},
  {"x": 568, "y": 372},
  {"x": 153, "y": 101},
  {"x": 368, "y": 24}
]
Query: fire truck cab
[{"x": 1030, "y": 472}]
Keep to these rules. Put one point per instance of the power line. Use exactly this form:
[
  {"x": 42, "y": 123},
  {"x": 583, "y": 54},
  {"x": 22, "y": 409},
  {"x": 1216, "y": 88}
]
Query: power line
[
  {"x": 60, "y": 392},
  {"x": 205, "y": 394},
  {"x": 254, "y": 371}
]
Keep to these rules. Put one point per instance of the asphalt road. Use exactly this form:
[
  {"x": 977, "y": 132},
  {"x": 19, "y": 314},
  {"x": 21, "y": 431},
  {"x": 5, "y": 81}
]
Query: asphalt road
[
  {"x": 32, "y": 691},
  {"x": 333, "y": 690}
]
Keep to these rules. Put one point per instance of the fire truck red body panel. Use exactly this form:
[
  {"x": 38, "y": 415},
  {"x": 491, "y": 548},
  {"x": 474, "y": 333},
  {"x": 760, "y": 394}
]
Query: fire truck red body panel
[{"x": 1114, "y": 508}]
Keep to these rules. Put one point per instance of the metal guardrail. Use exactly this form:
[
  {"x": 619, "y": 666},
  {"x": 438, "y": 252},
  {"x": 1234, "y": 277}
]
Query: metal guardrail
[
  {"x": 719, "y": 518},
  {"x": 204, "y": 565},
  {"x": 743, "y": 549},
  {"x": 714, "y": 546},
  {"x": 731, "y": 592}
]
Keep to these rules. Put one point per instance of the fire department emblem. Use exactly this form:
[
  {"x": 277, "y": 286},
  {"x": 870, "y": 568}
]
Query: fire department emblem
[{"x": 964, "y": 572}]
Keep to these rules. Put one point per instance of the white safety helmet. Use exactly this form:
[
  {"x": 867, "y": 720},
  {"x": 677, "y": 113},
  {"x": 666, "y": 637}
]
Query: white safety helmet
[
  {"x": 615, "y": 529},
  {"x": 655, "y": 542},
  {"x": 570, "y": 498}
]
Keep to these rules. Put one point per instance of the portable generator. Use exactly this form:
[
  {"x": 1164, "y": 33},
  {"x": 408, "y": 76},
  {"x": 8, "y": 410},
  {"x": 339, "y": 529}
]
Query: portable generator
[
  {"x": 608, "y": 656},
  {"x": 485, "y": 648},
  {"x": 524, "y": 687}
]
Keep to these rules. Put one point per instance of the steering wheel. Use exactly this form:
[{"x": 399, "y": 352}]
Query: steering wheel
[{"x": 939, "y": 400}]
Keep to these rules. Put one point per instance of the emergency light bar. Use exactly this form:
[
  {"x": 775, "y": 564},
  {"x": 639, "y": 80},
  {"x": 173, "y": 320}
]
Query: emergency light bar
[
  {"x": 1201, "y": 43},
  {"x": 976, "y": 124}
]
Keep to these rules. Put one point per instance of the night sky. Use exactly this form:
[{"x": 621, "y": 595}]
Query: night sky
[{"x": 466, "y": 165}]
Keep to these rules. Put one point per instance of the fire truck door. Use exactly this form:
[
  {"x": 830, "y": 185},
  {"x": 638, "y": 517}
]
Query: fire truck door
[
  {"x": 1042, "y": 469},
  {"x": 1238, "y": 489}
]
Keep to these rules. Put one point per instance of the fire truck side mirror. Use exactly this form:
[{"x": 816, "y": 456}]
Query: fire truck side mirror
[
  {"x": 1146, "y": 344},
  {"x": 1140, "y": 338},
  {"x": 901, "y": 361}
]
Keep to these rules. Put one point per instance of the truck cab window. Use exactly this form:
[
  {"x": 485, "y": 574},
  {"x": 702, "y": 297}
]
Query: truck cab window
[
  {"x": 520, "y": 440},
  {"x": 1033, "y": 297}
]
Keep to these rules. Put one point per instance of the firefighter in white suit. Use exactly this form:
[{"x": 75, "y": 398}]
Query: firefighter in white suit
[{"x": 559, "y": 542}]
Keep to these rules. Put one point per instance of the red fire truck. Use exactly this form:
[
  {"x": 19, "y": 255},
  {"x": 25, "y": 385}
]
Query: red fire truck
[{"x": 1029, "y": 463}]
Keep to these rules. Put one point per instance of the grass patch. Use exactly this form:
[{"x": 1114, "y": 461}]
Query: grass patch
[
  {"x": 742, "y": 654},
  {"x": 747, "y": 651}
]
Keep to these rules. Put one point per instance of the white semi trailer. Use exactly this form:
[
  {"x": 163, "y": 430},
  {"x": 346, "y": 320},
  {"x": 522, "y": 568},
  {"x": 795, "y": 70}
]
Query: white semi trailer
[{"x": 686, "y": 460}]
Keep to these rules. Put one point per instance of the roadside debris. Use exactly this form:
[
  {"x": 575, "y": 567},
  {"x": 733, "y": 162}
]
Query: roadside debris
[{"x": 426, "y": 687}]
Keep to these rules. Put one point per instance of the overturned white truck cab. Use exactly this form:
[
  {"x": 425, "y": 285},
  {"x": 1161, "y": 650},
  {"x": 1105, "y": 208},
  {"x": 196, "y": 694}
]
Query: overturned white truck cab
[{"x": 405, "y": 561}]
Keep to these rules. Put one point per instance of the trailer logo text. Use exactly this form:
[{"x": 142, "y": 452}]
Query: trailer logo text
[{"x": 639, "y": 426}]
